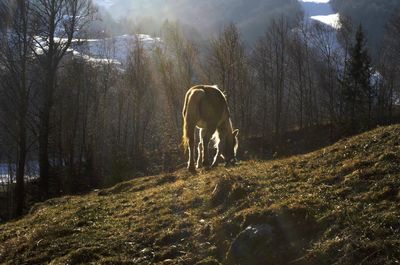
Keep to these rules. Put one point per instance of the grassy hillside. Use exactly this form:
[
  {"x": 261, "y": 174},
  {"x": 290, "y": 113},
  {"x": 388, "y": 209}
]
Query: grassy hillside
[{"x": 337, "y": 205}]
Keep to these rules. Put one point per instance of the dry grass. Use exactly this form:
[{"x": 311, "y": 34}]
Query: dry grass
[{"x": 339, "y": 205}]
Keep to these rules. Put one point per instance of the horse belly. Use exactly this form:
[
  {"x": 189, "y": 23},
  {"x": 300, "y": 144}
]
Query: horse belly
[{"x": 201, "y": 124}]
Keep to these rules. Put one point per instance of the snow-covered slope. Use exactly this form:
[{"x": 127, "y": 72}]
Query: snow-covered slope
[
  {"x": 322, "y": 11},
  {"x": 114, "y": 49}
]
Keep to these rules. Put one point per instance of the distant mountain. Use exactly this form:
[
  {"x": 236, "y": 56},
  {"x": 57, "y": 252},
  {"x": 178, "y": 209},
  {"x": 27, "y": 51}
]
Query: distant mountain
[
  {"x": 372, "y": 14},
  {"x": 251, "y": 16},
  {"x": 207, "y": 16}
]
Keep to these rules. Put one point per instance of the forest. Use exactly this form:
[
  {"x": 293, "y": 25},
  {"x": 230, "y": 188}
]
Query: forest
[{"x": 70, "y": 124}]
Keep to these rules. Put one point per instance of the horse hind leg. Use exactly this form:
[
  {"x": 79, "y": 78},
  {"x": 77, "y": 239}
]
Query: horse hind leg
[
  {"x": 191, "y": 116},
  {"x": 191, "y": 164},
  {"x": 200, "y": 149}
]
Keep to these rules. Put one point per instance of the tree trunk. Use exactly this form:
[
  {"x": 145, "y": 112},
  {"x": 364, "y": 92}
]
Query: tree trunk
[
  {"x": 44, "y": 155},
  {"x": 44, "y": 133},
  {"x": 21, "y": 160}
]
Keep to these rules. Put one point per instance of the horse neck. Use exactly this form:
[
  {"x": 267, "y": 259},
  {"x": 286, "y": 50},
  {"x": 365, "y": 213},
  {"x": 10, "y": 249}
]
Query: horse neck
[{"x": 226, "y": 130}]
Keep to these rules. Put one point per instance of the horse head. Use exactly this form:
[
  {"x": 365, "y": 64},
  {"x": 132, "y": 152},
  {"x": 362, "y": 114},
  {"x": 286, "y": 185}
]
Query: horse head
[{"x": 229, "y": 148}]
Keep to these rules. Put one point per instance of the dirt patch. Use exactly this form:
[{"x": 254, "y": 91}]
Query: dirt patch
[{"x": 228, "y": 190}]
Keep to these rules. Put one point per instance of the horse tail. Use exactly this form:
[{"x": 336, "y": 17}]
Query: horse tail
[
  {"x": 185, "y": 139},
  {"x": 185, "y": 105},
  {"x": 190, "y": 109}
]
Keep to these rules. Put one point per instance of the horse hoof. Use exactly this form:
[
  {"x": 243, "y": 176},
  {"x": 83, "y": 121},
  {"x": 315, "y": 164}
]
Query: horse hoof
[{"x": 192, "y": 170}]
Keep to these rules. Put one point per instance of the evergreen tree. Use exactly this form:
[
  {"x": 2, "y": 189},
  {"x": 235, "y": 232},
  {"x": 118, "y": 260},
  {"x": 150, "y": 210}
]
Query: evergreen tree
[{"x": 358, "y": 92}]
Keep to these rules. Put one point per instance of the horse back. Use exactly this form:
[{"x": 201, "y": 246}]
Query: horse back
[{"x": 211, "y": 105}]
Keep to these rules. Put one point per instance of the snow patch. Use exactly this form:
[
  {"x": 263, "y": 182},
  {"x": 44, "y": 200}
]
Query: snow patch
[
  {"x": 321, "y": 11},
  {"x": 332, "y": 20},
  {"x": 113, "y": 50}
]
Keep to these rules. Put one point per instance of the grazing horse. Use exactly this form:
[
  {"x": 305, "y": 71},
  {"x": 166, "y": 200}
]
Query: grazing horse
[{"x": 206, "y": 107}]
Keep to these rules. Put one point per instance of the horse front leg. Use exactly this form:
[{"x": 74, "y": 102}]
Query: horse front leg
[
  {"x": 200, "y": 155},
  {"x": 206, "y": 140},
  {"x": 200, "y": 149},
  {"x": 215, "y": 160}
]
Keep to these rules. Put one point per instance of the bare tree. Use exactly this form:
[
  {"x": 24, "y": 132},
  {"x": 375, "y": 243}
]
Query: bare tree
[
  {"x": 228, "y": 66},
  {"x": 260, "y": 63},
  {"x": 15, "y": 57},
  {"x": 57, "y": 21},
  {"x": 177, "y": 63},
  {"x": 389, "y": 65},
  {"x": 302, "y": 59},
  {"x": 328, "y": 50},
  {"x": 277, "y": 36},
  {"x": 139, "y": 82}
]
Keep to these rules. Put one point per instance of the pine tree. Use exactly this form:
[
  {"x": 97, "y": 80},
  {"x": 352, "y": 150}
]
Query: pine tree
[{"x": 358, "y": 92}]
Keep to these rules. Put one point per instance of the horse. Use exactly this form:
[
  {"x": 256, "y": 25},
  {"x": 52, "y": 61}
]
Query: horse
[{"x": 206, "y": 108}]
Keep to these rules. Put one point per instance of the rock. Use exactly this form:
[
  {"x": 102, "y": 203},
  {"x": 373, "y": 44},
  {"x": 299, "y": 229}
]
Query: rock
[
  {"x": 275, "y": 236},
  {"x": 252, "y": 242}
]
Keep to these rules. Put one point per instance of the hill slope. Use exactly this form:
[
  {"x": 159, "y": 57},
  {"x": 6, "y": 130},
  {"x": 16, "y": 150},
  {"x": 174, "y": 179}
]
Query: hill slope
[{"x": 337, "y": 205}]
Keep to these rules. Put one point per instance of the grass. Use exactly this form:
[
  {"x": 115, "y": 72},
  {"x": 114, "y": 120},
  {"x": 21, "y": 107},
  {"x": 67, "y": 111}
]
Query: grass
[{"x": 338, "y": 205}]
